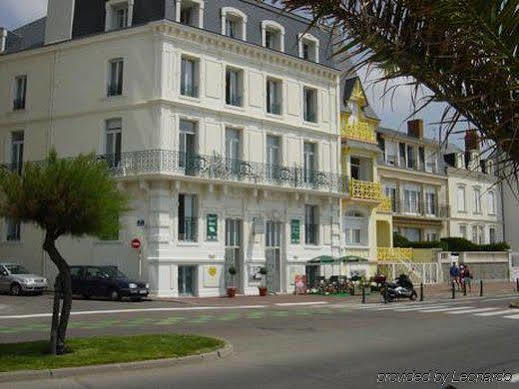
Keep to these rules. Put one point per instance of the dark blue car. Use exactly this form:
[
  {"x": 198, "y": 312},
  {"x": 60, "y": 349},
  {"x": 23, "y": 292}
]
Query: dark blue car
[{"x": 105, "y": 281}]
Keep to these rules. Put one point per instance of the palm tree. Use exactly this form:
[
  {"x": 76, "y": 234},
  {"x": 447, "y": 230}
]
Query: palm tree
[
  {"x": 74, "y": 197},
  {"x": 464, "y": 51}
]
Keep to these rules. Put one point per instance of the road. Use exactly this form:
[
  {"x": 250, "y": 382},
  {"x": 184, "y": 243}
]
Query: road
[{"x": 333, "y": 344}]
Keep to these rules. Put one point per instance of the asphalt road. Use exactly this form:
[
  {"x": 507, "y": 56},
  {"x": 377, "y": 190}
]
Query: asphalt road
[{"x": 333, "y": 345}]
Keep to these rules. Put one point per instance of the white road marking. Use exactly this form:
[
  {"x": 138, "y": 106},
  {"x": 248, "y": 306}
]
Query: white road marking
[
  {"x": 502, "y": 298},
  {"x": 417, "y": 308},
  {"x": 515, "y": 317},
  {"x": 79, "y": 313},
  {"x": 515, "y": 378},
  {"x": 472, "y": 311},
  {"x": 505, "y": 312},
  {"x": 299, "y": 304},
  {"x": 446, "y": 309}
]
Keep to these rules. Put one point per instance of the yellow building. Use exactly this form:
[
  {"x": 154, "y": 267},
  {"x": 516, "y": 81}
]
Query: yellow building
[{"x": 366, "y": 211}]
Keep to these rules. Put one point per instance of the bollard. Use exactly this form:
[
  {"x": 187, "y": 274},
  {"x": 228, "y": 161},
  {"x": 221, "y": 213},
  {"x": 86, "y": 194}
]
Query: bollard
[
  {"x": 363, "y": 294},
  {"x": 464, "y": 288},
  {"x": 353, "y": 289},
  {"x": 517, "y": 284},
  {"x": 480, "y": 288},
  {"x": 421, "y": 291},
  {"x": 384, "y": 292},
  {"x": 453, "y": 288}
]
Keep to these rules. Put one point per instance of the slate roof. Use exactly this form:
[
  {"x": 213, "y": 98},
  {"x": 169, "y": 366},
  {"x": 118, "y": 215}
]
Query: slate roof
[
  {"x": 29, "y": 36},
  {"x": 347, "y": 87}
]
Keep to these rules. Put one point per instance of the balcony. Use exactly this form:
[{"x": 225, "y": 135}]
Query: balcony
[
  {"x": 218, "y": 168},
  {"x": 420, "y": 209},
  {"x": 386, "y": 206},
  {"x": 366, "y": 190},
  {"x": 359, "y": 131},
  {"x": 394, "y": 254},
  {"x": 393, "y": 161}
]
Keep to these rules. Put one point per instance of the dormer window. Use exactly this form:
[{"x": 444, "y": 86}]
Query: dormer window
[
  {"x": 234, "y": 23},
  {"x": 119, "y": 14},
  {"x": 190, "y": 12},
  {"x": 273, "y": 35},
  {"x": 309, "y": 47}
]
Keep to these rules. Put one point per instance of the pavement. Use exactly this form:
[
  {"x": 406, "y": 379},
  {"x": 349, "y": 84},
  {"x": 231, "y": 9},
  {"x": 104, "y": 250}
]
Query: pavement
[{"x": 304, "y": 341}]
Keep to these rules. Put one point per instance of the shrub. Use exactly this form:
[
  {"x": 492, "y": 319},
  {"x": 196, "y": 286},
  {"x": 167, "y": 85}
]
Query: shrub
[
  {"x": 461, "y": 244},
  {"x": 400, "y": 241}
]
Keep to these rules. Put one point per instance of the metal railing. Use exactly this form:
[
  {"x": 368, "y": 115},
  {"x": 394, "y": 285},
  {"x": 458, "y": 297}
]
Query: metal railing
[
  {"x": 420, "y": 209},
  {"x": 170, "y": 162},
  {"x": 392, "y": 161},
  {"x": 359, "y": 131},
  {"x": 366, "y": 190},
  {"x": 188, "y": 229}
]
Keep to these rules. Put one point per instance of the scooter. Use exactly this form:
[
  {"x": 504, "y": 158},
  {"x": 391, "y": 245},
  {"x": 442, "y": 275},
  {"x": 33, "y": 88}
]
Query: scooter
[{"x": 401, "y": 287}]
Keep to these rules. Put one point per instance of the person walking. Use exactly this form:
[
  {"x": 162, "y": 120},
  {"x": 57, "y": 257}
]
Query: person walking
[
  {"x": 455, "y": 274},
  {"x": 467, "y": 276}
]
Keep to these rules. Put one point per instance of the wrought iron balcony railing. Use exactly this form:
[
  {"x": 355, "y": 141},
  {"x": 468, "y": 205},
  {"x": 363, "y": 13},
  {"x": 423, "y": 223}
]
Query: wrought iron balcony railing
[
  {"x": 392, "y": 161},
  {"x": 359, "y": 131},
  {"x": 366, "y": 190},
  {"x": 420, "y": 208},
  {"x": 215, "y": 167}
]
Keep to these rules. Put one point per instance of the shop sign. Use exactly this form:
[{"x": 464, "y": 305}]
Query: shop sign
[
  {"x": 295, "y": 231},
  {"x": 212, "y": 227}
]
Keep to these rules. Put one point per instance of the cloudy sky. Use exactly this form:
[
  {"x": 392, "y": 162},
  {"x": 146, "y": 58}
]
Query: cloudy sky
[{"x": 392, "y": 111}]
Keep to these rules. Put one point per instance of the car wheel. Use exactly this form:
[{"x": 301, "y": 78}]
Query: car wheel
[
  {"x": 114, "y": 295},
  {"x": 16, "y": 290}
]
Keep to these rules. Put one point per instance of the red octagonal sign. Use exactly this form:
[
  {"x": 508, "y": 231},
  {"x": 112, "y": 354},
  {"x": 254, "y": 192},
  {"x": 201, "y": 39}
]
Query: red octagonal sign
[{"x": 136, "y": 244}]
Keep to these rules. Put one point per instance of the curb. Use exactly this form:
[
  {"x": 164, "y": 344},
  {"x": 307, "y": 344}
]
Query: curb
[{"x": 30, "y": 375}]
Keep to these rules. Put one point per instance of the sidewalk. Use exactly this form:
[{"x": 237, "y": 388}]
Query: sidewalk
[{"x": 440, "y": 291}]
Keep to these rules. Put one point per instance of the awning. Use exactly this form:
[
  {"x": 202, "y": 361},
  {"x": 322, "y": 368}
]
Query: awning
[
  {"x": 352, "y": 259},
  {"x": 323, "y": 259}
]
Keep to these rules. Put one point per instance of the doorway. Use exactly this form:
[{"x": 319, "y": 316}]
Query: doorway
[
  {"x": 273, "y": 256},
  {"x": 233, "y": 253},
  {"x": 186, "y": 281}
]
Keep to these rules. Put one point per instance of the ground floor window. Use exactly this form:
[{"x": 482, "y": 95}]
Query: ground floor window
[
  {"x": 13, "y": 231},
  {"x": 187, "y": 280}
]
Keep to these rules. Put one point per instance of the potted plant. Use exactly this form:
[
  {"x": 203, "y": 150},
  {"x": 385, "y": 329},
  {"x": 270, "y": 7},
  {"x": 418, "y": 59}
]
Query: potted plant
[
  {"x": 263, "y": 287},
  {"x": 231, "y": 289}
]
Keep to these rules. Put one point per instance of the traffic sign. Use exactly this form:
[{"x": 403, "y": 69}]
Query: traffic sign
[{"x": 136, "y": 244}]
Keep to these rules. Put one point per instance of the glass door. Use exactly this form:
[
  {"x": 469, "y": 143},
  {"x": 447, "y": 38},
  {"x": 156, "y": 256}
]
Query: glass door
[
  {"x": 187, "y": 147},
  {"x": 273, "y": 255},
  {"x": 186, "y": 280},
  {"x": 233, "y": 253}
]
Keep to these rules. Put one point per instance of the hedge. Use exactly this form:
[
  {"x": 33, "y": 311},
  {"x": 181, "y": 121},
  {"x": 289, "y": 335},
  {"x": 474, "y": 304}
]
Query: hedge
[{"x": 449, "y": 244}]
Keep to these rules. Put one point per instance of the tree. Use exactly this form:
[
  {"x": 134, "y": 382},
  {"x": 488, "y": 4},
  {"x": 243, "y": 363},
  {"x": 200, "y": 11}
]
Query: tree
[
  {"x": 74, "y": 197},
  {"x": 464, "y": 51}
]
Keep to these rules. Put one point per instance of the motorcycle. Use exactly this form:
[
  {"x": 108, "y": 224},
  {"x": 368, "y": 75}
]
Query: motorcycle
[{"x": 401, "y": 287}]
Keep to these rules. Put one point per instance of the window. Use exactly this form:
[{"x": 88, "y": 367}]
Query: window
[
  {"x": 492, "y": 235},
  {"x": 309, "y": 162},
  {"x": 477, "y": 200},
  {"x": 481, "y": 235},
  {"x": 310, "y": 105},
  {"x": 20, "y": 92},
  {"x": 119, "y": 14},
  {"x": 234, "y": 87},
  {"x": 491, "y": 203},
  {"x": 273, "y": 35},
  {"x": 189, "y": 77},
  {"x": 274, "y": 93},
  {"x": 402, "y": 155},
  {"x": 413, "y": 234},
  {"x": 232, "y": 150},
  {"x": 17, "y": 139},
  {"x": 431, "y": 236},
  {"x": 421, "y": 155},
  {"x": 463, "y": 231},
  {"x": 474, "y": 234},
  {"x": 273, "y": 156},
  {"x": 113, "y": 142},
  {"x": 461, "y": 199},
  {"x": 411, "y": 163},
  {"x": 355, "y": 228},
  {"x": 115, "y": 81},
  {"x": 309, "y": 47},
  {"x": 412, "y": 201},
  {"x": 12, "y": 231},
  {"x": 187, "y": 218},
  {"x": 311, "y": 225},
  {"x": 187, "y": 146},
  {"x": 234, "y": 23},
  {"x": 190, "y": 12},
  {"x": 391, "y": 193},
  {"x": 355, "y": 168},
  {"x": 430, "y": 203}
]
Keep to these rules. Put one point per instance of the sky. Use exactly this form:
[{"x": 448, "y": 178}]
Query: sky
[{"x": 393, "y": 111}]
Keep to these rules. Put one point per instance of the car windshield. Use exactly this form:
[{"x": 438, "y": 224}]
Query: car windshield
[
  {"x": 16, "y": 269},
  {"x": 112, "y": 272}
]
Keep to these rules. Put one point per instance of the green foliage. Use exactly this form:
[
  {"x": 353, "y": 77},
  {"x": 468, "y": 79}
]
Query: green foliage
[
  {"x": 461, "y": 244},
  {"x": 232, "y": 270},
  {"x": 74, "y": 196},
  {"x": 400, "y": 240}
]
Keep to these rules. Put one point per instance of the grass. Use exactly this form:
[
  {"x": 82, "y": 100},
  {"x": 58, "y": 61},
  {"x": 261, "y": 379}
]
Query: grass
[{"x": 103, "y": 350}]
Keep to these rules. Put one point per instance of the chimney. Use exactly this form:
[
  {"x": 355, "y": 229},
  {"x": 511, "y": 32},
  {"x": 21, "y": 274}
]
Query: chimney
[
  {"x": 3, "y": 40},
  {"x": 471, "y": 140},
  {"x": 60, "y": 17},
  {"x": 415, "y": 128}
]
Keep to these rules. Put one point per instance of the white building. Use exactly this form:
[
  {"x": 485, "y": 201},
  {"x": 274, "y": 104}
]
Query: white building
[
  {"x": 475, "y": 198},
  {"x": 219, "y": 118}
]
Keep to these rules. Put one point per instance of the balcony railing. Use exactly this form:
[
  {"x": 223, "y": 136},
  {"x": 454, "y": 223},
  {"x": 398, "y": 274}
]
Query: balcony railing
[
  {"x": 394, "y": 254},
  {"x": 421, "y": 209},
  {"x": 188, "y": 229},
  {"x": 366, "y": 190},
  {"x": 386, "y": 205},
  {"x": 359, "y": 131},
  {"x": 215, "y": 167},
  {"x": 392, "y": 161}
]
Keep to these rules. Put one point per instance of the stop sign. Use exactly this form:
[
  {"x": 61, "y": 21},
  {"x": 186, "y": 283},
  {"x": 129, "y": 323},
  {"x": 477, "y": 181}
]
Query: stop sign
[{"x": 136, "y": 244}]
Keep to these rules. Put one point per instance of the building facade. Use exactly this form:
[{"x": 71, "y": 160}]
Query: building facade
[{"x": 219, "y": 118}]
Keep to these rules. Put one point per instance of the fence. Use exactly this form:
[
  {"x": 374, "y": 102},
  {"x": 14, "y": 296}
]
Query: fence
[{"x": 426, "y": 273}]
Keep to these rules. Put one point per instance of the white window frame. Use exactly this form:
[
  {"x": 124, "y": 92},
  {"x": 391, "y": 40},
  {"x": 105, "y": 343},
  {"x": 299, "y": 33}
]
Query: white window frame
[
  {"x": 464, "y": 208},
  {"x": 110, "y": 5},
  {"x": 309, "y": 37},
  {"x": 270, "y": 24},
  {"x": 116, "y": 62},
  {"x": 316, "y": 104},
  {"x": 462, "y": 235},
  {"x": 278, "y": 97},
  {"x": 201, "y": 7},
  {"x": 237, "y": 14},
  {"x": 18, "y": 226},
  {"x": 356, "y": 221},
  {"x": 491, "y": 202},
  {"x": 477, "y": 199},
  {"x": 240, "y": 92},
  {"x": 20, "y": 94},
  {"x": 196, "y": 75}
]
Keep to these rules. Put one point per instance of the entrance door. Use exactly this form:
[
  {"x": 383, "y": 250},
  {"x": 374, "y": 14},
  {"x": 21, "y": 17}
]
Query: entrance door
[
  {"x": 233, "y": 253},
  {"x": 273, "y": 256},
  {"x": 186, "y": 280}
]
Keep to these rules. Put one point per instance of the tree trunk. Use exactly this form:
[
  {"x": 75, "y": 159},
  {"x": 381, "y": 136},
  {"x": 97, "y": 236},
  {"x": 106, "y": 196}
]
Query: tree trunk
[{"x": 64, "y": 283}]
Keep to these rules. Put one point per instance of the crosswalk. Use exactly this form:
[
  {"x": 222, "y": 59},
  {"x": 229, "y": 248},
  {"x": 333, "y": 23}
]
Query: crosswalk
[{"x": 447, "y": 308}]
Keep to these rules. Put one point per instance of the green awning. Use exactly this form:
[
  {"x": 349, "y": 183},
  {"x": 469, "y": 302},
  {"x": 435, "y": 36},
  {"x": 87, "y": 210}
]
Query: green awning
[
  {"x": 352, "y": 259},
  {"x": 323, "y": 259}
]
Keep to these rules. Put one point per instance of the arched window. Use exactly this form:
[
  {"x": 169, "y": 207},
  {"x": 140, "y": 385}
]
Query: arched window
[
  {"x": 273, "y": 35},
  {"x": 234, "y": 23},
  {"x": 309, "y": 47},
  {"x": 190, "y": 12}
]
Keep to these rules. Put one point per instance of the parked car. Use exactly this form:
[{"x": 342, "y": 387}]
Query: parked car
[
  {"x": 17, "y": 280},
  {"x": 105, "y": 281}
]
